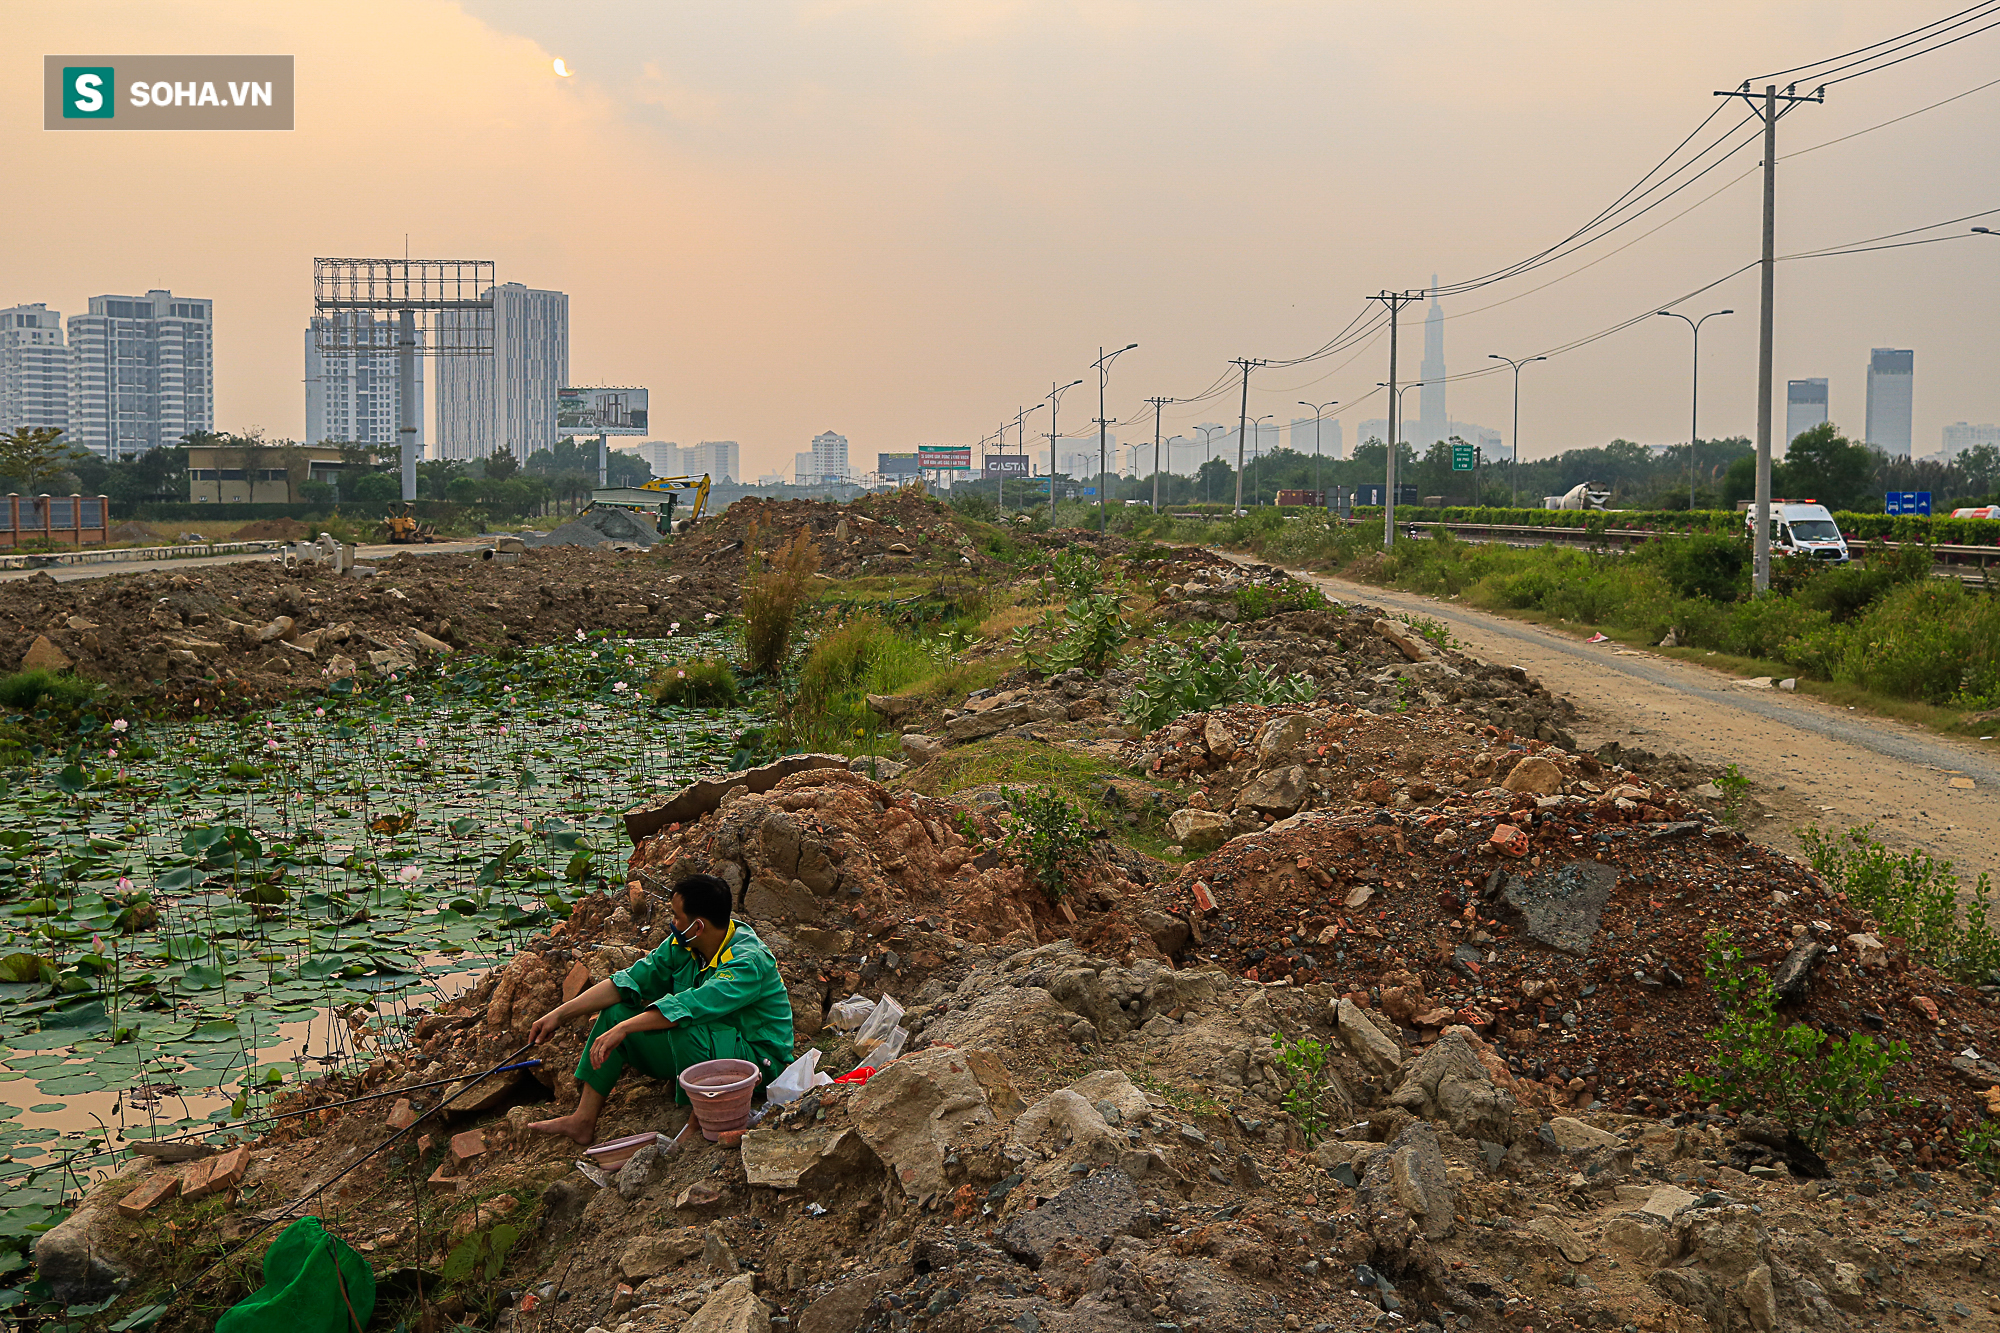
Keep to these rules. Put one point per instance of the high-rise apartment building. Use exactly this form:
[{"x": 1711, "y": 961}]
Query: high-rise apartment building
[
  {"x": 828, "y": 461},
  {"x": 718, "y": 458},
  {"x": 1960, "y": 436},
  {"x": 1891, "y": 373},
  {"x": 34, "y": 368},
  {"x": 1319, "y": 435},
  {"x": 142, "y": 372},
  {"x": 353, "y": 391},
  {"x": 1805, "y": 407},
  {"x": 506, "y": 400},
  {"x": 663, "y": 456}
]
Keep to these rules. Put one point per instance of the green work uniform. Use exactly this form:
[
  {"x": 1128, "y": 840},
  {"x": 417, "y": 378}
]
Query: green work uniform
[{"x": 733, "y": 1007}]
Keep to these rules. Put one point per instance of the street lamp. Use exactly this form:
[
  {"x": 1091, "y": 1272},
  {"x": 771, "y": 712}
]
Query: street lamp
[
  {"x": 1207, "y": 457},
  {"x": 1319, "y": 410},
  {"x": 1395, "y": 428},
  {"x": 1986, "y": 231},
  {"x": 1055, "y": 405},
  {"x": 1257, "y": 422},
  {"x": 1694, "y": 404},
  {"x": 1514, "y": 463},
  {"x": 1103, "y": 364}
]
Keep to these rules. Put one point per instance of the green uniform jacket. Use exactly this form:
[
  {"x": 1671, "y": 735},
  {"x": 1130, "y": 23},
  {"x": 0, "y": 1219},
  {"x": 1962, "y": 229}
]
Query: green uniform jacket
[{"x": 739, "y": 988}]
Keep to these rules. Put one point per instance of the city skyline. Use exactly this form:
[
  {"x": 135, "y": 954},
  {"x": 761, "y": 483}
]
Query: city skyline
[{"x": 921, "y": 246}]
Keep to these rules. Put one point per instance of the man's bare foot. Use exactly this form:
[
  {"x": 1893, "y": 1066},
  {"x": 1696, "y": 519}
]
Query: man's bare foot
[{"x": 572, "y": 1126}]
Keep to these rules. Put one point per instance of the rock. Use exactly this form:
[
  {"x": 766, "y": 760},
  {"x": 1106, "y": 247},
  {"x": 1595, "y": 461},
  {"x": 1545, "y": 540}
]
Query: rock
[
  {"x": 1408, "y": 1184},
  {"x": 705, "y": 794},
  {"x": 716, "y": 1256},
  {"x": 1789, "y": 684},
  {"x": 733, "y": 1309},
  {"x": 918, "y": 748},
  {"x": 1279, "y": 792},
  {"x": 44, "y": 656},
  {"x": 1796, "y": 971},
  {"x": 1102, "y": 1205},
  {"x": 1199, "y": 831},
  {"x": 1535, "y": 775},
  {"x": 812, "y": 1159},
  {"x": 1218, "y": 740},
  {"x": 1562, "y": 905},
  {"x": 1170, "y": 934},
  {"x": 1846, "y": 1282},
  {"x": 1671, "y": 641},
  {"x": 974, "y": 726},
  {"x": 909, "y": 1112},
  {"x": 649, "y": 1256},
  {"x": 1558, "y": 1233},
  {"x": 1449, "y": 1082},
  {"x": 1280, "y": 736},
  {"x": 1075, "y": 1119},
  {"x": 638, "y": 1171},
  {"x": 1665, "y": 1202},
  {"x": 1575, "y": 1136},
  {"x": 340, "y": 667},
  {"x": 1366, "y": 1041},
  {"x": 1406, "y": 640},
  {"x": 75, "y": 1257},
  {"x": 1646, "y": 1239},
  {"x": 1760, "y": 1299},
  {"x": 1697, "y": 1291},
  {"x": 845, "y": 1308},
  {"x": 436, "y": 647},
  {"x": 873, "y": 766},
  {"x": 893, "y": 708},
  {"x": 1868, "y": 951},
  {"x": 281, "y": 628},
  {"x": 779, "y": 900},
  {"x": 389, "y": 661}
]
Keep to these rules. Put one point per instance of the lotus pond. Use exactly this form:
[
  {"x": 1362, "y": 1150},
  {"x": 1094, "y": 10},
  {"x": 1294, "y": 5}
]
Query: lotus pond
[{"x": 194, "y": 914}]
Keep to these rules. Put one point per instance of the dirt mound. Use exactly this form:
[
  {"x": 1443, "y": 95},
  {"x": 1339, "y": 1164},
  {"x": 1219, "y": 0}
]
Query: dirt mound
[
  {"x": 272, "y": 632},
  {"x": 273, "y": 530},
  {"x": 877, "y": 533},
  {"x": 600, "y": 527},
  {"x": 129, "y": 531}
]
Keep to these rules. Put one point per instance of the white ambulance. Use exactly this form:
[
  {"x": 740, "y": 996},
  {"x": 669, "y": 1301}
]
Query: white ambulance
[{"x": 1803, "y": 528}]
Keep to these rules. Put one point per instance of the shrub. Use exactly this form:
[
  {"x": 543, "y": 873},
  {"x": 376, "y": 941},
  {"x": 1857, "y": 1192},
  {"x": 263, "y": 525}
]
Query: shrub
[
  {"x": 1075, "y": 572},
  {"x": 45, "y": 689},
  {"x": 1046, "y": 834},
  {"x": 1255, "y": 602},
  {"x": 772, "y": 596},
  {"x": 1931, "y": 641},
  {"x": 1087, "y": 633},
  {"x": 1303, "y": 1061},
  {"x": 708, "y": 683},
  {"x": 971, "y": 504},
  {"x": 1707, "y": 565},
  {"x": 1175, "y": 680},
  {"x": 1796, "y": 1074},
  {"x": 1913, "y": 895}
]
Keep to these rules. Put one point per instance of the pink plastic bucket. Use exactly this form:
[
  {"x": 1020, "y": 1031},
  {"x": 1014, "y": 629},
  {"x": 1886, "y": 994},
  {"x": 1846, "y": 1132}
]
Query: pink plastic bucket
[{"x": 720, "y": 1091}]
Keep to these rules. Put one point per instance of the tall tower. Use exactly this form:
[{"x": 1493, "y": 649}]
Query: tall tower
[
  {"x": 1890, "y": 376},
  {"x": 1432, "y": 424}
]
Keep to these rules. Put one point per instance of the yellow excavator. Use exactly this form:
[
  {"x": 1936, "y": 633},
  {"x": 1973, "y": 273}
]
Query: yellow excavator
[
  {"x": 697, "y": 487},
  {"x": 401, "y": 527}
]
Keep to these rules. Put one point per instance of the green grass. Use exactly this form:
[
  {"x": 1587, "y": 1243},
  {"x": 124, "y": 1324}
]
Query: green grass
[
  {"x": 45, "y": 689},
  {"x": 1011, "y": 761}
]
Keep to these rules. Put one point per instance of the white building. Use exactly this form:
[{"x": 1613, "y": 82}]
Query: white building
[
  {"x": 718, "y": 458},
  {"x": 1891, "y": 376},
  {"x": 141, "y": 372},
  {"x": 1321, "y": 433},
  {"x": 663, "y": 456},
  {"x": 825, "y": 464},
  {"x": 507, "y": 400},
  {"x": 1805, "y": 407},
  {"x": 1958, "y": 437},
  {"x": 353, "y": 393},
  {"x": 34, "y": 368}
]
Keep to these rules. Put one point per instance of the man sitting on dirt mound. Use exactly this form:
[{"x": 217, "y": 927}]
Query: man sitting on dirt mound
[{"x": 711, "y": 991}]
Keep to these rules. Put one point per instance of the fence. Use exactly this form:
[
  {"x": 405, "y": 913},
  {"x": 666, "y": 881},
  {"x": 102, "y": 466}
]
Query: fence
[{"x": 69, "y": 520}]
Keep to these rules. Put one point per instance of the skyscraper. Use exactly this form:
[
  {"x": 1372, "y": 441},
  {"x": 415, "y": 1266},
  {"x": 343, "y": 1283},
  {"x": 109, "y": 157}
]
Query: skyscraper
[
  {"x": 355, "y": 396},
  {"x": 507, "y": 400},
  {"x": 141, "y": 372},
  {"x": 1316, "y": 434},
  {"x": 1805, "y": 407},
  {"x": 1432, "y": 422},
  {"x": 1891, "y": 374},
  {"x": 829, "y": 459},
  {"x": 663, "y": 456},
  {"x": 718, "y": 458},
  {"x": 34, "y": 368}
]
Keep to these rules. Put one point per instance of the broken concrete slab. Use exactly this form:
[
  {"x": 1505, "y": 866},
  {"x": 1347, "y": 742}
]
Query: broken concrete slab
[
  {"x": 810, "y": 1159},
  {"x": 1102, "y": 1205},
  {"x": 1199, "y": 830},
  {"x": 1562, "y": 905},
  {"x": 1368, "y": 1043},
  {"x": 698, "y": 798}
]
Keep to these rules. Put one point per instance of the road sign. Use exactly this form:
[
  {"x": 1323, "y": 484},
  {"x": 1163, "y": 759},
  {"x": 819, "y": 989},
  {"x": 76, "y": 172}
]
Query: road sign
[
  {"x": 1090, "y": 490},
  {"x": 1907, "y": 502},
  {"x": 1462, "y": 456}
]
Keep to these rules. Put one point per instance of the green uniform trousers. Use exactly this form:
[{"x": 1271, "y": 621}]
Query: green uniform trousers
[{"x": 661, "y": 1054}]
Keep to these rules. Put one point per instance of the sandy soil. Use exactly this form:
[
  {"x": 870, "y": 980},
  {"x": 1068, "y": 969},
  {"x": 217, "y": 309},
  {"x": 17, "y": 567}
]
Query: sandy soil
[{"x": 1811, "y": 762}]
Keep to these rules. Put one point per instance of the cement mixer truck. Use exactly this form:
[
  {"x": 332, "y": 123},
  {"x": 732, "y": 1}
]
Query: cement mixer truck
[{"x": 1580, "y": 496}]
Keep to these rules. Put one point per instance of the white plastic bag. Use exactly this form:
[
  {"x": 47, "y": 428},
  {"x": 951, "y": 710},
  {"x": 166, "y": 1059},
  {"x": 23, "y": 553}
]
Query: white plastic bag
[
  {"x": 800, "y": 1076},
  {"x": 850, "y": 1013},
  {"x": 885, "y": 1015}
]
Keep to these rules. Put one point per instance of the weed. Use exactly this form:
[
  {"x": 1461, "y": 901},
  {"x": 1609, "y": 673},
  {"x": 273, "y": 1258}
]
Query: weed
[
  {"x": 44, "y": 689},
  {"x": 1436, "y": 632},
  {"x": 1303, "y": 1061},
  {"x": 1177, "y": 680},
  {"x": 1046, "y": 833},
  {"x": 1735, "y": 793},
  {"x": 772, "y": 597},
  {"x": 1980, "y": 1147},
  {"x": 1804, "y": 1079},
  {"x": 705, "y": 683},
  {"x": 1913, "y": 896},
  {"x": 973, "y": 505},
  {"x": 1255, "y": 602},
  {"x": 1075, "y": 572},
  {"x": 1086, "y": 632}
]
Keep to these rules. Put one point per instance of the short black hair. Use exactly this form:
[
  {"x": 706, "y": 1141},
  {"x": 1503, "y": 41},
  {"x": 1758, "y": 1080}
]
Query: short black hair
[{"x": 707, "y": 897}]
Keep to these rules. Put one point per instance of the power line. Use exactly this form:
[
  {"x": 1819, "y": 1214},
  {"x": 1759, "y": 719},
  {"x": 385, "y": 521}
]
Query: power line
[{"x": 1781, "y": 73}]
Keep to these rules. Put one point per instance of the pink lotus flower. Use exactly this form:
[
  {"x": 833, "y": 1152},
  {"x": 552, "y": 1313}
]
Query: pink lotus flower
[
  {"x": 120, "y": 725},
  {"x": 409, "y": 874}
]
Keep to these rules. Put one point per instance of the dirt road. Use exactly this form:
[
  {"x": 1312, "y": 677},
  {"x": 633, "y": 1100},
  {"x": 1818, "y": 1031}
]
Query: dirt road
[
  {"x": 1811, "y": 762},
  {"x": 366, "y": 554}
]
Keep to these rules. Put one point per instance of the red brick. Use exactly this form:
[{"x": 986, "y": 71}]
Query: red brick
[
  {"x": 1203, "y": 899},
  {"x": 468, "y": 1145},
  {"x": 154, "y": 1189},
  {"x": 225, "y": 1171},
  {"x": 576, "y": 982},
  {"x": 442, "y": 1182},
  {"x": 402, "y": 1115},
  {"x": 1513, "y": 841},
  {"x": 194, "y": 1177}
]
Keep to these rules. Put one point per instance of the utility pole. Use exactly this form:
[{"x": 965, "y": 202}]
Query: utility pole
[
  {"x": 1055, "y": 403},
  {"x": 1103, "y": 364},
  {"x": 1242, "y": 421},
  {"x": 1021, "y": 430},
  {"x": 1157, "y": 403},
  {"x": 1767, "y": 107},
  {"x": 1395, "y": 301}
]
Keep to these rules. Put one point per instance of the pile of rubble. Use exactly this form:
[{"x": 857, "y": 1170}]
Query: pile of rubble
[{"x": 878, "y": 533}]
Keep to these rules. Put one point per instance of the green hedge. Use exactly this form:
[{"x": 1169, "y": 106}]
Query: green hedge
[
  {"x": 1863, "y": 527},
  {"x": 430, "y": 511}
]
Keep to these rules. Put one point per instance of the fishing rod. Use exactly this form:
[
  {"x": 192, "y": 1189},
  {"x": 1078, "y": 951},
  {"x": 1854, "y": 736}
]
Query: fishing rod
[{"x": 288, "y": 1209}]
